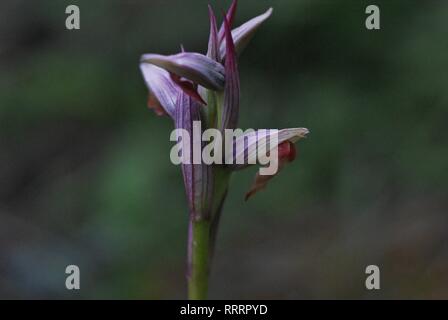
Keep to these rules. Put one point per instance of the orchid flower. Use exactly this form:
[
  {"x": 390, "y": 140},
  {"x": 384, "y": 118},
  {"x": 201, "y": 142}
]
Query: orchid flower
[{"x": 190, "y": 86}]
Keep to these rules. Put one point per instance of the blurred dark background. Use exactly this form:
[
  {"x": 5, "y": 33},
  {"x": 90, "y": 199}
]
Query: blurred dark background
[{"x": 85, "y": 175}]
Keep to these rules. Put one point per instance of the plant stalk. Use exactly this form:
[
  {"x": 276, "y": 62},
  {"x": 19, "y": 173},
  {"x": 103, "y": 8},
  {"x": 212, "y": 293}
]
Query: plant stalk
[
  {"x": 202, "y": 239},
  {"x": 198, "y": 256}
]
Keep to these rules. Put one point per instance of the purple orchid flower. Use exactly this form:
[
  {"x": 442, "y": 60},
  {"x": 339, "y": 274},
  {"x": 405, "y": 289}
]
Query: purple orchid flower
[{"x": 192, "y": 87}]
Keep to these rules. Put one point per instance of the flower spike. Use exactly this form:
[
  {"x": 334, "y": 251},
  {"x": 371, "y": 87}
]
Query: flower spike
[{"x": 202, "y": 95}]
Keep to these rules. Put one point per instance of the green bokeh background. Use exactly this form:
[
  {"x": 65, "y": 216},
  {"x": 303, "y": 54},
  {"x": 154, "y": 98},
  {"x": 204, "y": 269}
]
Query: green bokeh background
[{"x": 86, "y": 179}]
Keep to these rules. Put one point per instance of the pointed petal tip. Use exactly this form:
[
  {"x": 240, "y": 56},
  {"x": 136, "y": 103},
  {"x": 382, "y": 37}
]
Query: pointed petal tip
[
  {"x": 232, "y": 11},
  {"x": 230, "y": 46},
  {"x": 295, "y": 134},
  {"x": 303, "y": 132},
  {"x": 151, "y": 58},
  {"x": 213, "y": 42},
  {"x": 211, "y": 13},
  {"x": 230, "y": 110}
]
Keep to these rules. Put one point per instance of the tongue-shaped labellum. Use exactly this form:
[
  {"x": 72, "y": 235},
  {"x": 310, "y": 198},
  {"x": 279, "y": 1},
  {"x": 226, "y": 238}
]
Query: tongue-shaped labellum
[
  {"x": 286, "y": 153},
  {"x": 155, "y": 105}
]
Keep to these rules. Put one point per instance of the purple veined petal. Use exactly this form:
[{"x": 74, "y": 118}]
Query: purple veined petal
[
  {"x": 231, "y": 105},
  {"x": 198, "y": 178},
  {"x": 246, "y": 146},
  {"x": 213, "y": 42},
  {"x": 161, "y": 86},
  {"x": 192, "y": 66},
  {"x": 231, "y": 13},
  {"x": 244, "y": 33}
]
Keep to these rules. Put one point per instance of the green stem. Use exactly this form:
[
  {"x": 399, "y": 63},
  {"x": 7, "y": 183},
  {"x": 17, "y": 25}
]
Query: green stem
[
  {"x": 198, "y": 252},
  {"x": 202, "y": 237},
  {"x": 222, "y": 177}
]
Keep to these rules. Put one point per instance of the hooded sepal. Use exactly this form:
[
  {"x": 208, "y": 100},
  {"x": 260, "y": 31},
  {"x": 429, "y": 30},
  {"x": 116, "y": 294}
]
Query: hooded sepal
[{"x": 192, "y": 66}]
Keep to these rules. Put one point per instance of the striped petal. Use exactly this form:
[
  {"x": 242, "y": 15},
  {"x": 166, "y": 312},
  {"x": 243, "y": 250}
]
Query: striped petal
[{"x": 198, "y": 178}]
